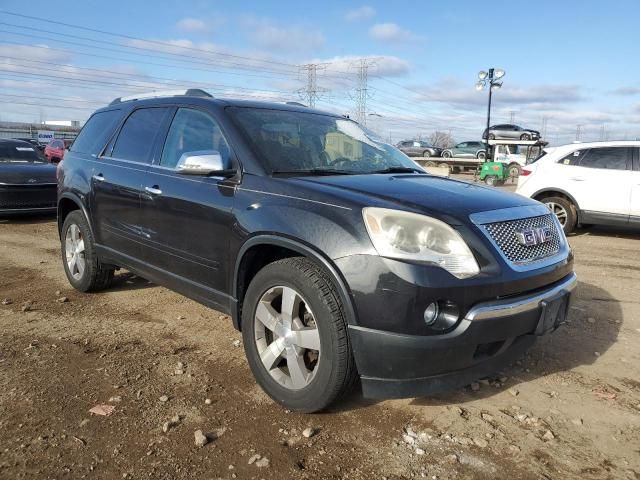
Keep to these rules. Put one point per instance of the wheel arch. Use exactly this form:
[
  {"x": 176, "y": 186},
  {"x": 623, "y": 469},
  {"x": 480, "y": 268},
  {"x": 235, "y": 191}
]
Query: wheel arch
[
  {"x": 262, "y": 249},
  {"x": 558, "y": 191},
  {"x": 67, "y": 203}
]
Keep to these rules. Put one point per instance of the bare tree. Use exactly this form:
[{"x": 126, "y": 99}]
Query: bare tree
[{"x": 441, "y": 139}]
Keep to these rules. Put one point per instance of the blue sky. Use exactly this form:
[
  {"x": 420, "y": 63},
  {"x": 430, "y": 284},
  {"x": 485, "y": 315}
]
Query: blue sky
[{"x": 571, "y": 62}]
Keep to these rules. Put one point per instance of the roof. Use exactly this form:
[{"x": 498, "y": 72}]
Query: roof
[{"x": 610, "y": 143}]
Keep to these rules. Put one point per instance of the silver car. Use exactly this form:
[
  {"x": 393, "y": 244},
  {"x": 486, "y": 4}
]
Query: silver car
[{"x": 508, "y": 131}]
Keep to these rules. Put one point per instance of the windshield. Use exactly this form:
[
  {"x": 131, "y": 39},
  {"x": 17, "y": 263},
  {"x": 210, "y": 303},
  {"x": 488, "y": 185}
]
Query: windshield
[
  {"x": 291, "y": 142},
  {"x": 20, "y": 153}
]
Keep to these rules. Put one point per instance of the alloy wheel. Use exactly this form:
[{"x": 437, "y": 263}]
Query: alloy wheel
[
  {"x": 74, "y": 251},
  {"x": 559, "y": 211},
  {"x": 287, "y": 337}
]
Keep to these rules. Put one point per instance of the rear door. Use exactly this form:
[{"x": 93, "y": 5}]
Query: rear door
[
  {"x": 187, "y": 220},
  {"x": 600, "y": 181},
  {"x": 117, "y": 178}
]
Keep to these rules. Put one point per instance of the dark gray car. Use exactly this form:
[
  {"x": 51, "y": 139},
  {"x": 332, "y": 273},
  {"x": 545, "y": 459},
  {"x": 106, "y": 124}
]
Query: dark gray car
[
  {"x": 415, "y": 148},
  {"x": 510, "y": 132}
]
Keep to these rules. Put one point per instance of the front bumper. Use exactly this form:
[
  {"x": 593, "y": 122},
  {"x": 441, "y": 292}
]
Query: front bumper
[{"x": 491, "y": 335}]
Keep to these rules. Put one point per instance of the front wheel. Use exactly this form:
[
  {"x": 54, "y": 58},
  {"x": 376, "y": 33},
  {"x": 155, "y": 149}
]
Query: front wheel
[
  {"x": 426, "y": 154},
  {"x": 84, "y": 270},
  {"x": 430, "y": 163},
  {"x": 446, "y": 154},
  {"x": 295, "y": 335},
  {"x": 481, "y": 155},
  {"x": 490, "y": 180},
  {"x": 564, "y": 210},
  {"x": 525, "y": 136}
]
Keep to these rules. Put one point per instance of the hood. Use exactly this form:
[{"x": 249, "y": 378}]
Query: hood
[
  {"x": 433, "y": 195},
  {"x": 24, "y": 173}
]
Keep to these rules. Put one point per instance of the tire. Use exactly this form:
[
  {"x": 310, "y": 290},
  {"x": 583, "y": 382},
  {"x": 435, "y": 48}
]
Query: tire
[
  {"x": 334, "y": 372},
  {"x": 481, "y": 155},
  {"x": 525, "y": 136},
  {"x": 445, "y": 165},
  {"x": 492, "y": 136},
  {"x": 446, "y": 154},
  {"x": 426, "y": 154},
  {"x": 565, "y": 210},
  {"x": 514, "y": 170},
  {"x": 430, "y": 164},
  {"x": 85, "y": 272},
  {"x": 491, "y": 180}
]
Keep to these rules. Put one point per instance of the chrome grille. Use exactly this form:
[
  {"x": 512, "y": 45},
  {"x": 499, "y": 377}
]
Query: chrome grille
[{"x": 504, "y": 235}]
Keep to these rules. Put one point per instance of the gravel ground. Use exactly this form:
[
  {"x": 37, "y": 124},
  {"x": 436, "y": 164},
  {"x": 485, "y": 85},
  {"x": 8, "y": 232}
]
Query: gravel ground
[{"x": 185, "y": 405}]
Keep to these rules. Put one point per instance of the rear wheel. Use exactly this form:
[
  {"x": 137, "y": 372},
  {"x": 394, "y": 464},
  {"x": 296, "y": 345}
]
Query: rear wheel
[
  {"x": 564, "y": 210},
  {"x": 426, "y": 154},
  {"x": 492, "y": 136},
  {"x": 514, "y": 170},
  {"x": 295, "y": 335},
  {"x": 445, "y": 165},
  {"x": 481, "y": 155},
  {"x": 84, "y": 270},
  {"x": 430, "y": 163}
]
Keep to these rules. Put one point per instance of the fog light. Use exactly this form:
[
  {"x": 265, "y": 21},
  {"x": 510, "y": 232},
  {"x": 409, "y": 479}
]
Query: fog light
[{"x": 431, "y": 313}]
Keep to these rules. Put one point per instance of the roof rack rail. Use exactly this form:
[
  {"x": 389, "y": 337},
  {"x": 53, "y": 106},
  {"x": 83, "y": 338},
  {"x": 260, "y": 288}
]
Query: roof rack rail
[
  {"x": 297, "y": 104},
  {"x": 191, "y": 92}
]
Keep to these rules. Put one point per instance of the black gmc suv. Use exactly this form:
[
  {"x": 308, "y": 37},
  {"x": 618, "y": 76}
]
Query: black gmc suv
[{"x": 336, "y": 255}]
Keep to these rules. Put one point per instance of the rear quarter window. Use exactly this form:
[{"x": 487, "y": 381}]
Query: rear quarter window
[{"x": 95, "y": 133}]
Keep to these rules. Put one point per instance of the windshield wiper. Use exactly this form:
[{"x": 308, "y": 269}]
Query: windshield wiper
[
  {"x": 313, "y": 171},
  {"x": 399, "y": 170}
]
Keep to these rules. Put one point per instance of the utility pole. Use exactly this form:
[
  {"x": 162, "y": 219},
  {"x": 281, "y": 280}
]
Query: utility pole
[
  {"x": 545, "y": 119},
  {"x": 311, "y": 92},
  {"x": 603, "y": 132},
  {"x": 512, "y": 116},
  {"x": 362, "y": 91},
  {"x": 578, "y": 131}
]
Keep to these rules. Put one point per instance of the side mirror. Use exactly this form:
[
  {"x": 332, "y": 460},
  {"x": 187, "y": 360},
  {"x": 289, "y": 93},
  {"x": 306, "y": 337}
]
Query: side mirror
[{"x": 204, "y": 162}]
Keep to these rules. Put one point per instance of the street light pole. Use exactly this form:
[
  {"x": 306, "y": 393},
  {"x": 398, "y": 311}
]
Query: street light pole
[{"x": 489, "y": 79}]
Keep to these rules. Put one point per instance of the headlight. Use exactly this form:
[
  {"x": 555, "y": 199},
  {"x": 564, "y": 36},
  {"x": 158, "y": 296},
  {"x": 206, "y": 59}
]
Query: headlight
[{"x": 398, "y": 234}]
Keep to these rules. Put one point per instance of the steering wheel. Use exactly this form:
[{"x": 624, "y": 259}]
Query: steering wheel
[{"x": 342, "y": 162}]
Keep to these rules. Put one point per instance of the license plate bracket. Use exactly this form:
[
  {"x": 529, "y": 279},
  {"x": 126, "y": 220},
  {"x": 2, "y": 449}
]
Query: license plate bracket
[{"x": 553, "y": 313}]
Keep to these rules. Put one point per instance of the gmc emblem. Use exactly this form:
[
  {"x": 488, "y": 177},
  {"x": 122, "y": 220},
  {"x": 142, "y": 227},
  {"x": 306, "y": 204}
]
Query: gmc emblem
[{"x": 534, "y": 236}]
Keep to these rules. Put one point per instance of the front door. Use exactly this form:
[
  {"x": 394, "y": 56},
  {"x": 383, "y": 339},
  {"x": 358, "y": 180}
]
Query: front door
[
  {"x": 187, "y": 220},
  {"x": 117, "y": 178}
]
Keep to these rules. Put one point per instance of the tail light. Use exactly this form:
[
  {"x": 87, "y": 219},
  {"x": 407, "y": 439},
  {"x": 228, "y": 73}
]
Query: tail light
[{"x": 524, "y": 172}]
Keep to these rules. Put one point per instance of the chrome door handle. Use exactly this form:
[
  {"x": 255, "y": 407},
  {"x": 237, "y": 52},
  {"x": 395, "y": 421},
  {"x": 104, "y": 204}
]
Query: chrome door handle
[
  {"x": 99, "y": 177},
  {"x": 153, "y": 190}
]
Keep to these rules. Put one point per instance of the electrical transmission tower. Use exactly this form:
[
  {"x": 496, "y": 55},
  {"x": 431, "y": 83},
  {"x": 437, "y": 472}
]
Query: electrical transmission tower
[
  {"x": 578, "y": 131},
  {"x": 311, "y": 92},
  {"x": 545, "y": 120},
  {"x": 362, "y": 90},
  {"x": 604, "y": 135},
  {"x": 512, "y": 116}
]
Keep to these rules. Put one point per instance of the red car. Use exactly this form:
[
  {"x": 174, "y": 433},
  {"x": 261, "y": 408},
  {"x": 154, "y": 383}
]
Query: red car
[{"x": 54, "y": 151}]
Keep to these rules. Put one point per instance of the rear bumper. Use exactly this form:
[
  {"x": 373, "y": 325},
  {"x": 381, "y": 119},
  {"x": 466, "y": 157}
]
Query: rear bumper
[{"x": 491, "y": 335}]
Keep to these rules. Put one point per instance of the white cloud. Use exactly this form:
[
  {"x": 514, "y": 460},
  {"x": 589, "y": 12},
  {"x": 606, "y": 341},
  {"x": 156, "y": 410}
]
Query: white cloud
[
  {"x": 189, "y": 24},
  {"x": 392, "y": 32},
  {"x": 627, "y": 91},
  {"x": 290, "y": 38},
  {"x": 382, "y": 65},
  {"x": 360, "y": 13}
]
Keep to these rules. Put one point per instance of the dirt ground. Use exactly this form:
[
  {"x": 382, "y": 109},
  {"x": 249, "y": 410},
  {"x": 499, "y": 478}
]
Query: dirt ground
[{"x": 569, "y": 409}]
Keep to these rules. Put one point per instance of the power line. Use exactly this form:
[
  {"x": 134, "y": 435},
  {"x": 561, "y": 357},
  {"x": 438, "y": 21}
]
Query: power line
[{"x": 130, "y": 37}]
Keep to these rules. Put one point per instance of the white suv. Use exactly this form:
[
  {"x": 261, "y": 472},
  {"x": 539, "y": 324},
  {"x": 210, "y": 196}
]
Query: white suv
[{"x": 587, "y": 183}]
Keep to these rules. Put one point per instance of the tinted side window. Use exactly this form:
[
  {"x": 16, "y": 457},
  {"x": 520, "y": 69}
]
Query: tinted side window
[
  {"x": 136, "y": 138},
  {"x": 462, "y": 145},
  {"x": 192, "y": 131},
  {"x": 573, "y": 158},
  {"x": 95, "y": 132},
  {"x": 612, "y": 158}
]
